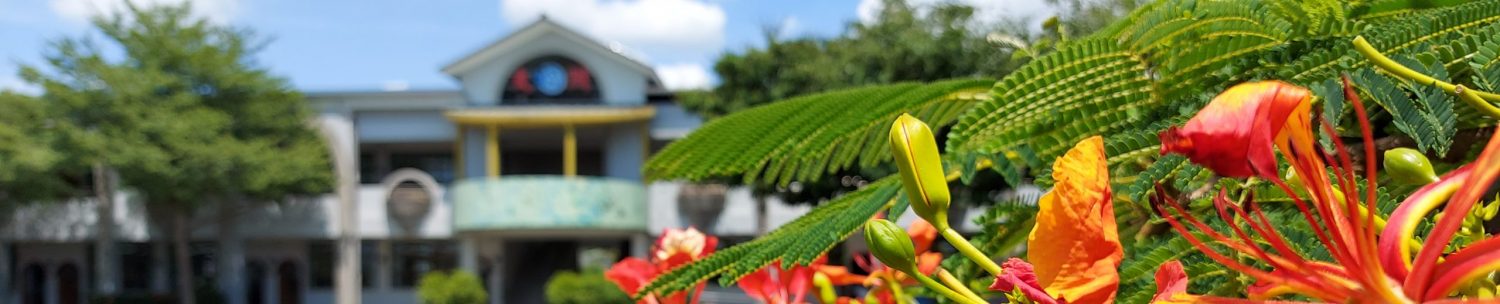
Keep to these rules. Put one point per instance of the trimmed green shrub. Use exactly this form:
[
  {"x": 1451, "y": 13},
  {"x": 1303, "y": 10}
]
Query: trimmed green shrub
[
  {"x": 451, "y": 287},
  {"x": 588, "y": 286}
]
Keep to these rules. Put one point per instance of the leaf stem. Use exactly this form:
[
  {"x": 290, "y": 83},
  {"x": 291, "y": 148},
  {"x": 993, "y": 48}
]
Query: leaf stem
[
  {"x": 943, "y": 290},
  {"x": 970, "y": 252},
  {"x": 953, "y": 282},
  {"x": 1479, "y": 100}
]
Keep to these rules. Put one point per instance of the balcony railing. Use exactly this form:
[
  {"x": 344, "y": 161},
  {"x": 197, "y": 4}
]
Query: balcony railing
[{"x": 548, "y": 202}]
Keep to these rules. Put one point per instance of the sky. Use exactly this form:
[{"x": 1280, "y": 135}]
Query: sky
[{"x": 342, "y": 45}]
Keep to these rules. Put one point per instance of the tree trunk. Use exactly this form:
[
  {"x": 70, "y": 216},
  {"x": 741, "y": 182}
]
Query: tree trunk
[
  {"x": 105, "y": 257},
  {"x": 183, "y": 258}
]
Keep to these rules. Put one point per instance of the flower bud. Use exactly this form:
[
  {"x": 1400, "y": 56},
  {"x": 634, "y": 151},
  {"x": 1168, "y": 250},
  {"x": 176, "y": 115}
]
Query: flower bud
[
  {"x": 921, "y": 166},
  {"x": 889, "y": 244},
  {"x": 1409, "y": 167}
]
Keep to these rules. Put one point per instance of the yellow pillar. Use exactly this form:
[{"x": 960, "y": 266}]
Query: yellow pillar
[
  {"x": 492, "y": 151},
  {"x": 458, "y": 152},
  {"x": 570, "y": 150}
]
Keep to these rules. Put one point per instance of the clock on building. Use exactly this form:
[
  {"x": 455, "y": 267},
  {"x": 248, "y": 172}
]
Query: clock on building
[{"x": 550, "y": 79}]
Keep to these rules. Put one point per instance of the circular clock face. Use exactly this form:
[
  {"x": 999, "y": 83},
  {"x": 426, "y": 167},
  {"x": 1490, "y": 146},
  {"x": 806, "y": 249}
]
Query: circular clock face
[{"x": 550, "y": 78}]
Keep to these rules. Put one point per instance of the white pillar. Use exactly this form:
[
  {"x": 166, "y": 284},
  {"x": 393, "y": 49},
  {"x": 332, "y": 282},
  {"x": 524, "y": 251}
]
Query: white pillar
[
  {"x": 231, "y": 257},
  {"x": 383, "y": 277},
  {"x": 468, "y": 253},
  {"x": 268, "y": 292},
  {"x": 639, "y": 245},
  {"x": 497, "y": 273},
  {"x": 339, "y": 130},
  {"x": 49, "y": 285}
]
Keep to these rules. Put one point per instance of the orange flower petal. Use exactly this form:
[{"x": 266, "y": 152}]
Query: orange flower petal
[
  {"x": 922, "y": 234},
  {"x": 840, "y": 275},
  {"x": 1235, "y": 133},
  {"x": 1074, "y": 247}
]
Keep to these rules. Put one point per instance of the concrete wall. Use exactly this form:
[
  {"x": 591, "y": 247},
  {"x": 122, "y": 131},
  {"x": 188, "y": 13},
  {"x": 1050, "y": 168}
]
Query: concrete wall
[
  {"x": 624, "y": 151},
  {"x": 402, "y": 126}
]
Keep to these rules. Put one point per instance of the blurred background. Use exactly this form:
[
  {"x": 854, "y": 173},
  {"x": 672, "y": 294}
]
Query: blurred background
[{"x": 229, "y": 151}]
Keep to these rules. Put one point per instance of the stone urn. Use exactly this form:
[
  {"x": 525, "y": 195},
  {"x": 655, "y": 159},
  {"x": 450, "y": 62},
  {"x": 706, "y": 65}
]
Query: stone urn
[
  {"x": 408, "y": 203},
  {"x": 699, "y": 205}
]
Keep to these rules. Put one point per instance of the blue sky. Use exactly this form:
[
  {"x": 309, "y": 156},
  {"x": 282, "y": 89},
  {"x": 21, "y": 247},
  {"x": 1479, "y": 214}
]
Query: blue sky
[{"x": 391, "y": 44}]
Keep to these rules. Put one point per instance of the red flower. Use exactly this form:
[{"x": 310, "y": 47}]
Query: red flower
[
  {"x": 674, "y": 248},
  {"x": 777, "y": 285},
  {"x": 1367, "y": 268}
]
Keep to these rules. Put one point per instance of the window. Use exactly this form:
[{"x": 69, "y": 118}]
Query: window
[
  {"x": 415, "y": 258},
  {"x": 375, "y": 162},
  {"x": 135, "y": 266},
  {"x": 321, "y": 256}
]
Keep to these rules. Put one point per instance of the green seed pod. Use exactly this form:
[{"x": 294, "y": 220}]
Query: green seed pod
[
  {"x": 1407, "y": 166},
  {"x": 890, "y": 244},
  {"x": 922, "y": 176}
]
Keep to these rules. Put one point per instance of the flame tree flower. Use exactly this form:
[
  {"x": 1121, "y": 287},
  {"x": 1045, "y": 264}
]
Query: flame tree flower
[
  {"x": 1229, "y": 136},
  {"x": 1074, "y": 250},
  {"x": 674, "y": 248}
]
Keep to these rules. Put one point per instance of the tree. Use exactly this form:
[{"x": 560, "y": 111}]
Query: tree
[
  {"x": 904, "y": 44},
  {"x": 31, "y": 166},
  {"x": 185, "y": 116}
]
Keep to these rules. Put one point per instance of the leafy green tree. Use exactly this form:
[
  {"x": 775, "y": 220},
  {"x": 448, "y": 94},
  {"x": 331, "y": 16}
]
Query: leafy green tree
[
  {"x": 451, "y": 287},
  {"x": 184, "y": 115},
  {"x": 902, "y": 45},
  {"x": 31, "y": 166}
]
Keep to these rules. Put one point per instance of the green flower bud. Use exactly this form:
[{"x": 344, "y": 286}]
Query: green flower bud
[
  {"x": 921, "y": 166},
  {"x": 1409, "y": 167},
  {"x": 890, "y": 244}
]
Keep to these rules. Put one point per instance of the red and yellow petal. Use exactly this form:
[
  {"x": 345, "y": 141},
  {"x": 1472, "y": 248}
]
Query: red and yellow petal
[
  {"x": 1234, "y": 135},
  {"x": 1019, "y": 275},
  {"x": 1171, "y": 284},
  {"x": 1400, "y": 228},
  {"x": 630, "y": 274},
  {"x": 1074, "y": 247}
]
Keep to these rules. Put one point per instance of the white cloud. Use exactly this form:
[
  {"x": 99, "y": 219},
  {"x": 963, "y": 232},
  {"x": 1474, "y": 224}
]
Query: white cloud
[
  {"x": 684, "y": 25},
  {"x": 684, "y": 76},
  {"x": 80, "y": 11},
  {"x": 790, "y": 27},
  {"x": 985, "y": 11}
]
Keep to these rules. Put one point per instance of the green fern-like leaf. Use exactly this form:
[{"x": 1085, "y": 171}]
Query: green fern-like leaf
[
  {"x": 806, "y": 137},
  {"x": 798, "y": 242}
]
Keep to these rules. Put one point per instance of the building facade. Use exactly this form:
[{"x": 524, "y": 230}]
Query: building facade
[{"x": 531, "y": 166}]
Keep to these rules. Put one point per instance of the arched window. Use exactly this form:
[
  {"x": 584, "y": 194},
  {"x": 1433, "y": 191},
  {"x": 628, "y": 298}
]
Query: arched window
[{"x": 550, "y": 79}]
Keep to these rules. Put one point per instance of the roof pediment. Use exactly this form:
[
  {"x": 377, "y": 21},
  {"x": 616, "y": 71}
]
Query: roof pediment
[{"x": 543, "y": 27}]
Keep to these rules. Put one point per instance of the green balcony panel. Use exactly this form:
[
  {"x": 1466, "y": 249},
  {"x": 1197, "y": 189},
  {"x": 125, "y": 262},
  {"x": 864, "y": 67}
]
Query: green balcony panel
[{"x": 548, "y": 202}]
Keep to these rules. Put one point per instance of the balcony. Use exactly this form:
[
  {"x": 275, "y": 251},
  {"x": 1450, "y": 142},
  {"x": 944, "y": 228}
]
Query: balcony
[{"x": 548, "y": 202}]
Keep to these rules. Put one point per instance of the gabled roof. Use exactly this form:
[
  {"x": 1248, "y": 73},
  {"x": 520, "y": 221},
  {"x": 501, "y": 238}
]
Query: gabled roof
[{"x": 541, "y": 28}]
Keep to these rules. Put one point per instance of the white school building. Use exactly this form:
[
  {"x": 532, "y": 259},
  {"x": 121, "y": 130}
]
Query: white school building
[{"x": 531, "y": 166}]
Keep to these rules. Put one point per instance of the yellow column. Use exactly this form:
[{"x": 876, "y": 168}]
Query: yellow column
[
  {"x": 492, "y": 151},
  {"x": 570, "y": 150},
  {"x": 458, "y": 152}
]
